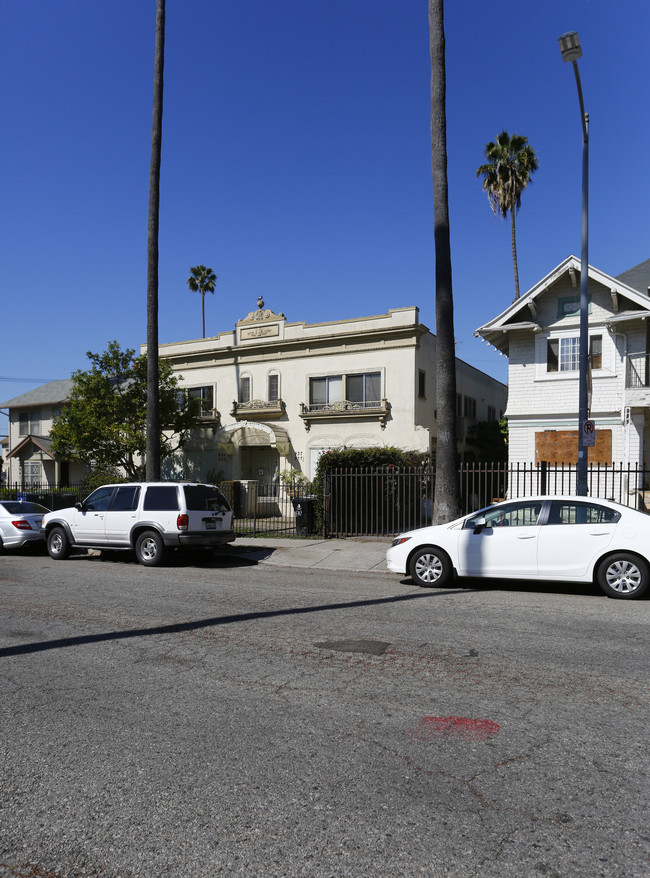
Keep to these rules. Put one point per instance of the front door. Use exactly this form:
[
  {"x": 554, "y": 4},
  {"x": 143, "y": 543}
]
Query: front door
[{"x": 258, "y": 462}]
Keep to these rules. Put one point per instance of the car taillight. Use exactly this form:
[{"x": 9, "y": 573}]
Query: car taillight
[
  {"x": 21, "y": 524},
  {"x": 183, "y": 522}
]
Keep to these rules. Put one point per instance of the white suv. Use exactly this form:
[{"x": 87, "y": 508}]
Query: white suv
[{"x": 148, "y": 517}]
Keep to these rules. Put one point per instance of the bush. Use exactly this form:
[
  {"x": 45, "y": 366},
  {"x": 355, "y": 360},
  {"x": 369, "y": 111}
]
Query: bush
[{"x": 365, "y": 504}]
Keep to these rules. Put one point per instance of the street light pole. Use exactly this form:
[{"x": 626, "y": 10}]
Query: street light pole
[{"x": 571, "y": 51}]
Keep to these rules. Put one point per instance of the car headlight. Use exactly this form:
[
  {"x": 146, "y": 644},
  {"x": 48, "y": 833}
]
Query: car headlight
[{"x": 398, "y": 541}]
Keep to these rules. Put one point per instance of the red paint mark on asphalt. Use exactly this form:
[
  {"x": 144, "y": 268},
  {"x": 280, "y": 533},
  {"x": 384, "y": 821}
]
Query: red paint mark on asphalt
[{"x": 431, "y": 727}]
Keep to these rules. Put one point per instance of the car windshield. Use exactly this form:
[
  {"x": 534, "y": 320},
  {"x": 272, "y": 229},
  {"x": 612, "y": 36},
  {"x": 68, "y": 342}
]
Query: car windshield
[
  {"x": 20, "y": 508},
  {"x": 205, "y": 498}
]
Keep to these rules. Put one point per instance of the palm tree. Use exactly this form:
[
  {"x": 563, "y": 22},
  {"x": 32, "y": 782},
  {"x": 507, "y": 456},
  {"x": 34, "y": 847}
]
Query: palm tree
[
  {"x": 202, "y": 280},
  {"x": 152, "y": 463},
  {"x": 511, "y": 162},
  {"x": 447, "y": 490}
]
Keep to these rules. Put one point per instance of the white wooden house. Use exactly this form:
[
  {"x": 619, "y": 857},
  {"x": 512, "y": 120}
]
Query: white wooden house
[{"x": 540, "y": 334}]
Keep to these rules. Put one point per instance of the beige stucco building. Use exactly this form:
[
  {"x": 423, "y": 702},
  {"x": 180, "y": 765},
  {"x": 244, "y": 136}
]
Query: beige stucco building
[{"x": 276, "y": 395}]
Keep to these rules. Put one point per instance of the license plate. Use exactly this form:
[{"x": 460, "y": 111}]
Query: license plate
[{"x": 211, "y": 524}]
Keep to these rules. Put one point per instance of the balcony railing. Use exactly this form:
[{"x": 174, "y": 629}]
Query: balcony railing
[
  {"x": 258, "y": 408},
  {"x": 636, "y": 374},
  {"x": 345, "y": 409}
]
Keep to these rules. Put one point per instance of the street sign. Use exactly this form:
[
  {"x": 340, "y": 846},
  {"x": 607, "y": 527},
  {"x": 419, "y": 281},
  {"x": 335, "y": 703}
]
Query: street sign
[{"x": 588, "y": 434}]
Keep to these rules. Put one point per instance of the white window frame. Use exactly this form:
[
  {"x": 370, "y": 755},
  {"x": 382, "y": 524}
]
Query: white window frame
[
  {"x": 205, "y": 412},
  {"x": 33, "y": 425},
  {"x": 608, "y": 351}
]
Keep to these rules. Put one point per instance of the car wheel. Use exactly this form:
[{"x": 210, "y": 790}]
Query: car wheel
[
  {"x": 58, "y": 545},
  {"x": 149, "y": 548},
  {"x": 2, "y": 546},
  {"x": 430, "y": 567},
  {"x": 623, "y": 576}
]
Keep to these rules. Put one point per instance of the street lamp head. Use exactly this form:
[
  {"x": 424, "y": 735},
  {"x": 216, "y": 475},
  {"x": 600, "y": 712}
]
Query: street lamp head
[{"x": 570, "y": 46}]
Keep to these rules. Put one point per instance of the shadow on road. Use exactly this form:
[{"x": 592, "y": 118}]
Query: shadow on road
[{"x": 180, "y": 627}]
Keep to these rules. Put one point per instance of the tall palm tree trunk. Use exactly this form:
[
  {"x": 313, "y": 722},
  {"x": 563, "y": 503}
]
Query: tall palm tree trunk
[
  {"x": 153, "y": 406},
  {"x": 203, "y": 310},
  {"x": 514, "y": 253},
  {"x": 447, "y": 490}
]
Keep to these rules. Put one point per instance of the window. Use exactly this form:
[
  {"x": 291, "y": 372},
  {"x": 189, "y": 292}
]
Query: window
[
  {"x": 563, "y": 512},
  {"x": 522, "y": 514},
  {"x": 469, "y": 407},
  {"x": 563, "y": 354},
  {"x": 31, "y": 472},
  {"x": 161, "y": 498},
  {"x": 596, "y": 352},
  {"x": 126, "y": 498},
  {"x": 364, "y": 389},
  {"x": 205, "y": 498},
  {"x": 205, "y": 395},
  {"x": 245, "y": 389},
  {"x": 30, "y": 423},
  {"x": 422, "y": 385},
  {"x": 274, "y": 388},
  {"x": 492, "y": 413},
  {"x": 324, "y": 391},
  {"x": 459, "y": 405},
  {"x": 99, "y": 499}
]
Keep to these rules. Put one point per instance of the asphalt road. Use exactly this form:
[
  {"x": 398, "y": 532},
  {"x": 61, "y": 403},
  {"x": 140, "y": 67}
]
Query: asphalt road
[{"x": 227, "y": 718}]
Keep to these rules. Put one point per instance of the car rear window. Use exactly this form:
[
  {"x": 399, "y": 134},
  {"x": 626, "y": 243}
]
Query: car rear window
[
  {"x": 19, "y": 508},
  {"x": 161, "y": 498},
  {"x": 205, "y": 498}
]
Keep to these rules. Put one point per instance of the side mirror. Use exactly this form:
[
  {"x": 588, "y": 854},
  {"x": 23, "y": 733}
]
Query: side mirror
[
  {"x": 479, "y": 524},
  {"x": 79, "y": 506}
]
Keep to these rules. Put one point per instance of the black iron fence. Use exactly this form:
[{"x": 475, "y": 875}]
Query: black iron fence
[
  {"x": 382, "y": 501},
  {"x": 387, "y": 501}
]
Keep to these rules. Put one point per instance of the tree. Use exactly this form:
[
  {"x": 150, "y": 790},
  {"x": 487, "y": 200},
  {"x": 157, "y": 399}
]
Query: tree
[
  {"x": 153, "y": 377},
  {"x": 105, "y": 424},
  {"x": 447, "y": 490},
  {"x": 202, "y": 280},
  {"x": 488, "y": 441},
  {"x": 511, "y": 162}
]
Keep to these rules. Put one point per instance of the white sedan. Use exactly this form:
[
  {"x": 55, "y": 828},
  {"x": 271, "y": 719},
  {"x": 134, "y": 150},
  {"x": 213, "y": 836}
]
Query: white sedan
[{"x": 562, "y": 538}]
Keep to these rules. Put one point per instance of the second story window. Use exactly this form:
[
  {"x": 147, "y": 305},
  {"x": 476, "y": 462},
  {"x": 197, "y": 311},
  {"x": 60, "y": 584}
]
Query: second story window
[
  {"x": 324, "y": 391},
  {"x": 365, "y": 389},
  {"x": 245, "y": 388},
  {"x": 273, "y": 388},
  {"x": 469, "y": 407},
  {"x": 563, "y": 354},
  {"x": 206, "y": 397},
  {"x": 30, "y": 423}
]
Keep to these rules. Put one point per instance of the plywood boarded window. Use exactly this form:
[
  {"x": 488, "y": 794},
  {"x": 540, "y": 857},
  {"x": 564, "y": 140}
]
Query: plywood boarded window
[{"x": 561, "y": 446}]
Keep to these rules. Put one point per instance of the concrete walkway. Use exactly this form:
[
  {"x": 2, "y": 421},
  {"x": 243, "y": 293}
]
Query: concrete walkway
[{"x": 350, "y": 554}]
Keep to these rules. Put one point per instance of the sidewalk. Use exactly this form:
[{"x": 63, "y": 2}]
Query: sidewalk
[{"x": 351, "y": 554}]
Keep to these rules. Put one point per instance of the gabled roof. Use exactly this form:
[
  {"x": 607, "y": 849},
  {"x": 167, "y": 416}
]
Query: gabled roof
[
  {"x": 638, "y": 277},
  {"x": 522, "y": 313},
  {"x": 43, "y": 444},
  {"x": 52, "y": 392}
]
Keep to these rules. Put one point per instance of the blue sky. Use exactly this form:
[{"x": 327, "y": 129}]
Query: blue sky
[{"x": 297, "y": 162}]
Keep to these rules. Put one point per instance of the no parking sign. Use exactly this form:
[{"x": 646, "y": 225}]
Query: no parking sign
[{"x": 588, "y": 433}]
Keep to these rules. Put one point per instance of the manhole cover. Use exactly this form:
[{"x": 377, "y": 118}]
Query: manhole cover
[{"x": 372, "y": 647}]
